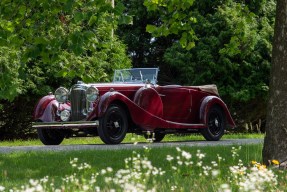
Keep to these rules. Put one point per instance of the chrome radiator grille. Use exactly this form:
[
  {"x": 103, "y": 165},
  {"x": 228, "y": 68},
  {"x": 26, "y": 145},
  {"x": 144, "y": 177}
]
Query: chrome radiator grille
[{"x": 78, "y": 103}]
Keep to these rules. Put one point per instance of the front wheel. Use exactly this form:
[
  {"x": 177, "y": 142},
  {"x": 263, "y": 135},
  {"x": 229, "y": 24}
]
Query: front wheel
[
  {"x": 113, "y": 125},
  {"x": 215, "y": 124},
  {"x": 50, "y": 136}
]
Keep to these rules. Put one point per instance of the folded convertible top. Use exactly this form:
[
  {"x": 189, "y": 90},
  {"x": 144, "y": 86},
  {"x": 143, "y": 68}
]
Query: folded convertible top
[{"x": 208, "y": 88}]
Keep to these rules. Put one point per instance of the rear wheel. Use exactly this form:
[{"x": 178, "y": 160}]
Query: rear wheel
[
  {"x": 113, "y": 125},
  {"x": 215, "y": 124},
  {"x": 50, "y": 136},
  {"x": 156, "y": 137}
]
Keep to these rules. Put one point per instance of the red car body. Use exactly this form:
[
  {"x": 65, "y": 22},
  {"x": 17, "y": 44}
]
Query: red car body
[{"x": 141, "y": 108}]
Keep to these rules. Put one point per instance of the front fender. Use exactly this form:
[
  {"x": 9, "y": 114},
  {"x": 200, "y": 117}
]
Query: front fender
[
  {"x": 47, "y": 107},
  {"x": 105, "y": 101},
  {"x": 207, "y": 103}
]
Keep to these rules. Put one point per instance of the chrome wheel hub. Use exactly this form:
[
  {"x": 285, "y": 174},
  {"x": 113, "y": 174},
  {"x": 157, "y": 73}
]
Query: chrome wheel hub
[{"x": 216, "y": 122}]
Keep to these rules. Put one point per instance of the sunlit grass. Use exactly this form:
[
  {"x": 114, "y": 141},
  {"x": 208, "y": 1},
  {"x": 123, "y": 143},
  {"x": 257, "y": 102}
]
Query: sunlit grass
[
  {"x": 130, "y": 138},
  {"x": 216, "y": 168},
  {"x": 18, "y": 168}
]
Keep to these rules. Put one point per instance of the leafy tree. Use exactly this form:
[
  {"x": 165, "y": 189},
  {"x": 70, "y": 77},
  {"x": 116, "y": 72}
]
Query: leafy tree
[
  {"x": 45, "y": 44},
  {"x": 176, "y": 17},
  {"x": 10, "y": 83},
  {"x": 57, "y": 40},
  {"x": 144, "y": 49}
]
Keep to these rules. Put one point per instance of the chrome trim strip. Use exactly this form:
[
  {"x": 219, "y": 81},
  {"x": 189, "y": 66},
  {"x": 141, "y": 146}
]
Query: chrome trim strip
[{"x": 71, "y": 124}]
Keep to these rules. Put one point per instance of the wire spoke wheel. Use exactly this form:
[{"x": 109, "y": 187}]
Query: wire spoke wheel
[
  {"x": 215, "y": 124},
  {"x": 115, "y": 124}
]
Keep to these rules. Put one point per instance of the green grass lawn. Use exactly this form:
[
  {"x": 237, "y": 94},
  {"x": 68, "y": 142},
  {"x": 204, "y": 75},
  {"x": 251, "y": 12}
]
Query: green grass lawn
[
  {"x": 188, "y": 169},
  {"x": 130, "y": 138},
  {"x": 161, "y": 169}
]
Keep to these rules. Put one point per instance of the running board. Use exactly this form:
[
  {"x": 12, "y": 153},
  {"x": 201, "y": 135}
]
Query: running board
[
  {"x": 66, "y": 125},
  {"x": 176, "y": 125}
]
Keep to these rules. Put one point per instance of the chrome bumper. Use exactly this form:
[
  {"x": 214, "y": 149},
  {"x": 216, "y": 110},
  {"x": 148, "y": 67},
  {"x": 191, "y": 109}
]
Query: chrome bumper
[{"x": 66, "y": 125}]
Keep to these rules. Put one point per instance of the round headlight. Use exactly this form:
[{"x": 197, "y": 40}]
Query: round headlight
[
  {"x": 92, "y": 94},
  {"x": 61, "y": 94},
  {"x": 65, "y": 115}
]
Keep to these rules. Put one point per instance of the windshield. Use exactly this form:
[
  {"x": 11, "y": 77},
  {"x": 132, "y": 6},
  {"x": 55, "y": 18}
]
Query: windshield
[{"x": 136, "y": 75}]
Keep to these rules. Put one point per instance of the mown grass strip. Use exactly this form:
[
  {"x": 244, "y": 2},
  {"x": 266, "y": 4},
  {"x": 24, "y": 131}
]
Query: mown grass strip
[{"x": 130, "y": 138}]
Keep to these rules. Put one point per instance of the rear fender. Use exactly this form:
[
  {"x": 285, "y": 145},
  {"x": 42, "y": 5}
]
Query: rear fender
[{"x": 210, "y": 101}]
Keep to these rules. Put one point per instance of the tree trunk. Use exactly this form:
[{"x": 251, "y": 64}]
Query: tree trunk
[{"x": 275, "y": 142}]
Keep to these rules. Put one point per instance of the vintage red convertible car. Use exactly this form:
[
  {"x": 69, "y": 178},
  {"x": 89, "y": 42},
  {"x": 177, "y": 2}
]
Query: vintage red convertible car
[{"x": 133, "y": 103}]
